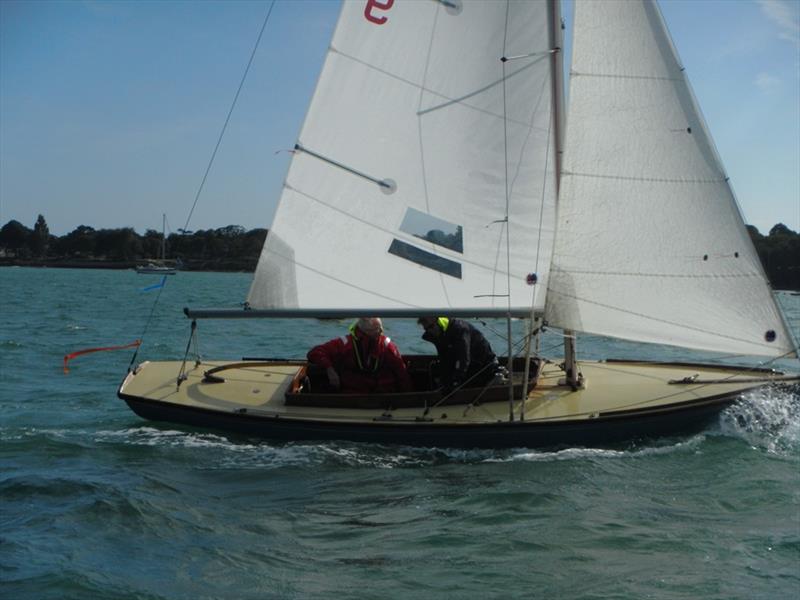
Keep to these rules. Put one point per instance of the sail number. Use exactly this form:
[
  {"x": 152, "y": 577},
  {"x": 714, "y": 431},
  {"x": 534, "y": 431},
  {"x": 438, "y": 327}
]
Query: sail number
[{"x": 377, "y": 5}]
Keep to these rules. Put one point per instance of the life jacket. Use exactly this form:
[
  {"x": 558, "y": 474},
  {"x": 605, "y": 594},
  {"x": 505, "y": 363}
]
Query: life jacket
[{"x": 372, "y": 362}]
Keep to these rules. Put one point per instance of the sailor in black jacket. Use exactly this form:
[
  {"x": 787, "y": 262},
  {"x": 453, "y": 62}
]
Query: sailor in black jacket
[{"x": 465, "y": 355}]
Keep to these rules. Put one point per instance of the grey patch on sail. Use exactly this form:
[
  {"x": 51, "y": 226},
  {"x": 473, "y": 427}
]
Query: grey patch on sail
[
  {"x": 433, "y": 229},
  {"x": 425, "y": 258},
  {"x": 275, "y": 282}
]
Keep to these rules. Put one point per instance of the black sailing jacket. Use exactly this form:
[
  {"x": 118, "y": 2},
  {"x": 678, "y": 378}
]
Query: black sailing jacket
[{"x": 463, "y": 352}]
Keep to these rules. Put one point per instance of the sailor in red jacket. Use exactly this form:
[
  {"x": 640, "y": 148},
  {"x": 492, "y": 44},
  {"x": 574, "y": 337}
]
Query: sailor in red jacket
[{"x": 364, "y": 361}]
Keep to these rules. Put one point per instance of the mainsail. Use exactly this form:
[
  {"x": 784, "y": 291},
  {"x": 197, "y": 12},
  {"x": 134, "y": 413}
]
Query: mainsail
[
  {"x": 651, "y": 245},
  {"x": 425, "y": 173}
]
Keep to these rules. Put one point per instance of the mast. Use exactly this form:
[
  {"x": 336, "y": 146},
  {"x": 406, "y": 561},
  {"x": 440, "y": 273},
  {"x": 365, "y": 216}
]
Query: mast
[
  {"x": 557, "y": 37},
  {"x": 574, "y": 379},
  {"x": 557, "y": 116}
]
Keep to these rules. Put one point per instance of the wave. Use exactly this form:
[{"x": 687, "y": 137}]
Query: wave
[
  {"x": 33, "y": 486},
  {"x": 768, "y": 419},
  {"x": 66, "y": 582},
  {"x": 11, "y": 344},
  {"x": 220, "y": 451},
  {"x": 151, "y": 436}
]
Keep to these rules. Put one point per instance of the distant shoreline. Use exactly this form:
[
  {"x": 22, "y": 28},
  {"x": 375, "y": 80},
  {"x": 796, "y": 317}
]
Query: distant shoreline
[
  {"x": 224, "y": 266},
  {"x": 234, "y": 249}
]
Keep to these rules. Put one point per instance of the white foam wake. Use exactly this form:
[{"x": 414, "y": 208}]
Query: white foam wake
[{"x": 768, "y": 418}]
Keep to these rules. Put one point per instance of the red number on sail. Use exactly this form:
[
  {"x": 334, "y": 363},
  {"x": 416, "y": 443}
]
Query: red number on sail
[{"x": 378, "y": 5}]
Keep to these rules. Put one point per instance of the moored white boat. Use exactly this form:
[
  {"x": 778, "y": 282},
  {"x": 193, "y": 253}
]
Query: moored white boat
[
  {"x": 160, "y": 266},
  {"x": 152, "y": 268}
]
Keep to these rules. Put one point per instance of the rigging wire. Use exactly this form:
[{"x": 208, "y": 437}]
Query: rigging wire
[
  {"x": 541, "y": 206},
  {"x": 230, "y": 112},
  {"x": 508, "y": 223},
  {"x": 505, "y": 165},
  {"x": 147, "y": 323},
  {"x": 208, "y": 170},
  {"x": 533, "y": 279},
  {"x": 422, "y": 163}
]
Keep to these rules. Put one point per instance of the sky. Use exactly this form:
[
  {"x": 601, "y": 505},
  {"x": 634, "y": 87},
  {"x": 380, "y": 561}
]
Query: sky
[{"x": 110, "y": 111}]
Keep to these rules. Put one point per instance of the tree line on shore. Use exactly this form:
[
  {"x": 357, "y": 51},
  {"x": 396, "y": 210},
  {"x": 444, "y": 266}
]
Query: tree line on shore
[{"x": 232, "y": 248}]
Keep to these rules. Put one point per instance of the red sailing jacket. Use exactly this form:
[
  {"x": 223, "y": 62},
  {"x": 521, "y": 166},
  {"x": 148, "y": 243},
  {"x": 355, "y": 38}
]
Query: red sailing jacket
[{"x": 376, "y": 368}]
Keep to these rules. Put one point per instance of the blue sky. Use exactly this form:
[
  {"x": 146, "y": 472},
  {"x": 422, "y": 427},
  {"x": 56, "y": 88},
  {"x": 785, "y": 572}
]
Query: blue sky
[{"x": 110, "y": 110}]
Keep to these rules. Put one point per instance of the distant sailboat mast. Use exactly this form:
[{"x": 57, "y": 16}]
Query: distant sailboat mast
[{"x": 163, "y": 236}]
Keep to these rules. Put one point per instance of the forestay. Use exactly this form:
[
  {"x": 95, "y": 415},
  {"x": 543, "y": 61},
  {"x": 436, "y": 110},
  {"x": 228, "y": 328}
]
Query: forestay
[
  {"x": 416, "y": 140},
  {"x": 651, "y": 245}
]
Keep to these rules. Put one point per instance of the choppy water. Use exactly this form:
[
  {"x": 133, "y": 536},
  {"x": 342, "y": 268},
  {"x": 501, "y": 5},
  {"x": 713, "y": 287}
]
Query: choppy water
[{"x": 96, "y": 503}]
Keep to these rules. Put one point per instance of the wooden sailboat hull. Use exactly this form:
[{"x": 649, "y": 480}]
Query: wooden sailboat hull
[
  {"x": 530, "y": 434},
  {"x": 623, "y": 401}
]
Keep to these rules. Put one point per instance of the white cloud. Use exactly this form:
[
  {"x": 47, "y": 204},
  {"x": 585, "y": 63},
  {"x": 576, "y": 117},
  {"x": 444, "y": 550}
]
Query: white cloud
[
  {"x": 767, "y": 82},
  {"x": 786, "y": 15}
]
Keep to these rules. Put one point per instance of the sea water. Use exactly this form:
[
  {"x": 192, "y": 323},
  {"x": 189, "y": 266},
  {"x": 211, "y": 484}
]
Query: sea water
[{"x": 97, "y": 503}]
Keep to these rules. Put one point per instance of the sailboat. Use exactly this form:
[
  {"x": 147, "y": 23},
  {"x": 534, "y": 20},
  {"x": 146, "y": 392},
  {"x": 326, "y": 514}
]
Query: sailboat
[
  {"x": 437, "y": 173},
  {"x": 160, "y": 266}
]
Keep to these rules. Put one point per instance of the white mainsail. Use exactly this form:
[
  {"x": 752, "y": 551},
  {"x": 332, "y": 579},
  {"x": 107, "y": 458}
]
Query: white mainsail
[
  {"x": 650, "y": 242},
  {"x": 418, "y": 144}
]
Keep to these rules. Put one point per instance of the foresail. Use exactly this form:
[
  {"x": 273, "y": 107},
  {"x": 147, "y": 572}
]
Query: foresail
[
  {"x": 417, "y": 138},
  {"x": 650, "y": 245}
]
